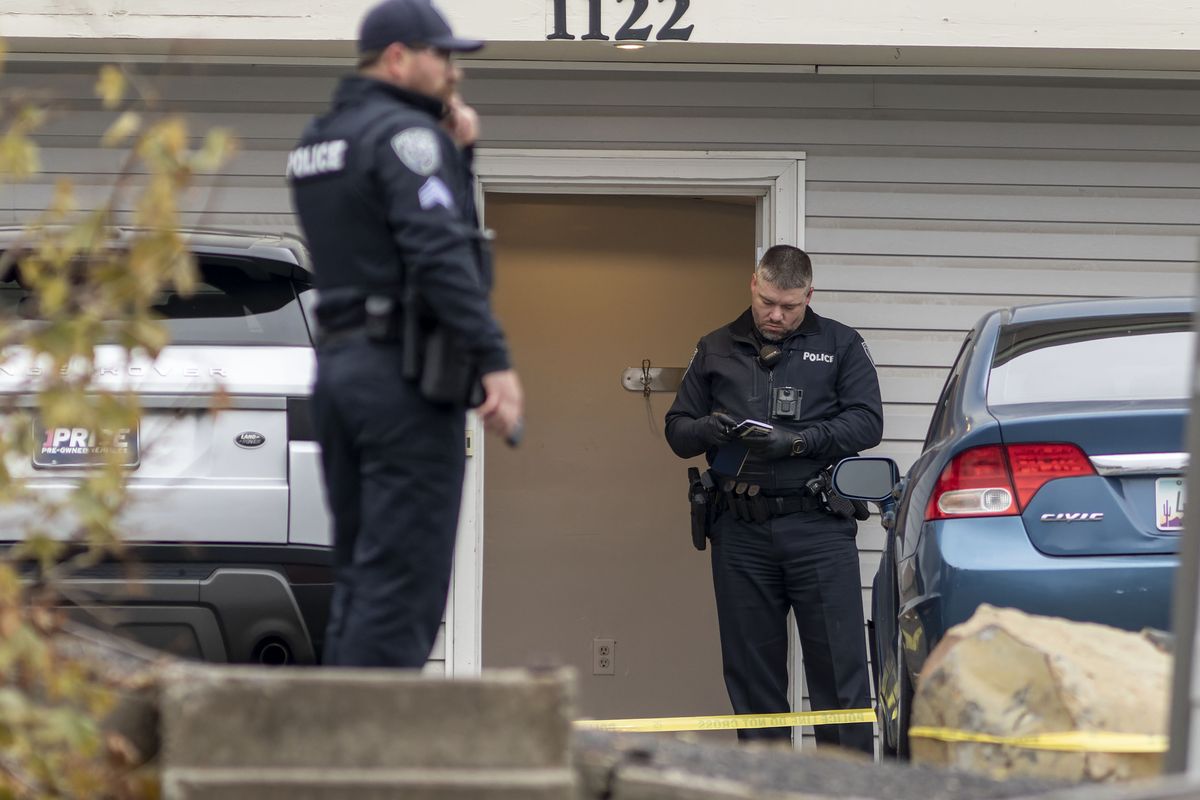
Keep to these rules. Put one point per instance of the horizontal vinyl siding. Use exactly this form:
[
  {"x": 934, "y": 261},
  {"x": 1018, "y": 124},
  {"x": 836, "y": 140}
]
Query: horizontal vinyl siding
[
  {"x": 927, "y": 206},
  {"x": 929, "y": 202}
]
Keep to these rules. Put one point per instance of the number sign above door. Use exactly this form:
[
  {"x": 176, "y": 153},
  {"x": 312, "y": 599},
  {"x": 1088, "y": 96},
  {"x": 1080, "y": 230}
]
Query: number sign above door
[{"x": 675, "y": 29}]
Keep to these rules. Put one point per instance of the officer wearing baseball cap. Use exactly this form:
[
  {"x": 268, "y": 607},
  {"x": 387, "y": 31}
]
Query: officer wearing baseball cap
[
  {"x": 383, "y": 186},
  {"x": 410, "y": 22}
]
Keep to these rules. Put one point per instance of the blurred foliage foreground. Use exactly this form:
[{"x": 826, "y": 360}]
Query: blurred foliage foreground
[{"x": 84, "y": 285}]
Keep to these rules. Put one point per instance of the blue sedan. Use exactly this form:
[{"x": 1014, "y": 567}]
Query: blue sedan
[{"x": 1051, "y": 480}]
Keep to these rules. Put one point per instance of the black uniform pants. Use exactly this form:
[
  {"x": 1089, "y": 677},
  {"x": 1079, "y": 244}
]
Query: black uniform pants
[
  {"x": 393, "y": 476},
  {"x": 806, "y": 562}
]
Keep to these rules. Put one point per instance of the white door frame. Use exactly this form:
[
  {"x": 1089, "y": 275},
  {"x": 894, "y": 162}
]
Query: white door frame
[{"x": 775, "y": 177}]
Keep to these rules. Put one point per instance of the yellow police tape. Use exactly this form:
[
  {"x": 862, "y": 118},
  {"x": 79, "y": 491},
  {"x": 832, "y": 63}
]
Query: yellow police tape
[
  {"x": 728, "y": 721},
  {"x": 1066, "y": 741}
]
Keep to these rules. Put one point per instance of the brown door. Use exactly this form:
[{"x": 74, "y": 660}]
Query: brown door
[{"x": 586, "y": 524}]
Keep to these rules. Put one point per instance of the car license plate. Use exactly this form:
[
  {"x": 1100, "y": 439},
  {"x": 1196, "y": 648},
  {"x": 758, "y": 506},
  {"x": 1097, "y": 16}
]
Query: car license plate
[
  {"x": 1170, "y": 497},
  {"x": 81, "y": 447}
]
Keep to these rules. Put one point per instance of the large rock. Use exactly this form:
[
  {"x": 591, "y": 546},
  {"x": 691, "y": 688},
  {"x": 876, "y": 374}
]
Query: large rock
[{"x": 1007, "y": 673}]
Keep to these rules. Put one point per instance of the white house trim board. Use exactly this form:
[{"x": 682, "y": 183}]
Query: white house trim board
[
  {"x": 776, "y": 176},
  {"x": 464, "y": 607},
  {"x": 1116, "y": 25}
]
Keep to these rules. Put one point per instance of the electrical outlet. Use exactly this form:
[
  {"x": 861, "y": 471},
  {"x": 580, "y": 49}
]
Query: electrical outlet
[{"x": 604, "y": 656}]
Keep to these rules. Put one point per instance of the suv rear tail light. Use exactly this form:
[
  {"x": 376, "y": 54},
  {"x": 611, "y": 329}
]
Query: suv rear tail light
[{"x": 1000, "y": 480}]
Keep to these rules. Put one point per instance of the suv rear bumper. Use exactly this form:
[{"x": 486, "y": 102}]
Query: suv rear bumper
[{"x": 220, "y": 603}]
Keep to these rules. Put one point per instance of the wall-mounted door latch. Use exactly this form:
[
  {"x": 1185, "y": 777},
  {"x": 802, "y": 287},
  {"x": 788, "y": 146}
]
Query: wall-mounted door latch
[{"x": 647, "y": 379}]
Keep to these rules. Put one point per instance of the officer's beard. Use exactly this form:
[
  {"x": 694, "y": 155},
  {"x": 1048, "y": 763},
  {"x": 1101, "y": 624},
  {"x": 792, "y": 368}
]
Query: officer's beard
[
  {"x": 777, "y": 335},
  {"x": 770, "y": 336}
]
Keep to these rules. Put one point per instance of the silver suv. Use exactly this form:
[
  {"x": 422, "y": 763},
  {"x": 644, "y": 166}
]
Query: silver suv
[{"x": 229, "y": 556}]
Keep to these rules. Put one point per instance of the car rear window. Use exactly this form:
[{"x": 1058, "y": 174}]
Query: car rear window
[
  {"x": 236, "y": 302},
  {"x": 1109, "y": 359}
]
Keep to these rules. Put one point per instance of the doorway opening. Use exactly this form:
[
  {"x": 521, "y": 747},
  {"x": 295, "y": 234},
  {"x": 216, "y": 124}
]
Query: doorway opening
[{"x": 587, "y": 524}]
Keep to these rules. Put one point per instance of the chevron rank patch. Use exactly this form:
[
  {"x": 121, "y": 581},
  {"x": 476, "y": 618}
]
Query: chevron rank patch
[{"x": 435, "y": 193}]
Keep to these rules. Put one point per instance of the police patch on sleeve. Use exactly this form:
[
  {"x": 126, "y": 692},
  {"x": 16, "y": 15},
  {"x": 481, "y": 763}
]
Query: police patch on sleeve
[
  {"x": 418, "y": 148},
  {"x": 867, "y": 350}
]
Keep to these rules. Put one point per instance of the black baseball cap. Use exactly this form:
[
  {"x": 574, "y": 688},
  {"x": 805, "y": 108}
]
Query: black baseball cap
[{"x": 409, "y": 22}]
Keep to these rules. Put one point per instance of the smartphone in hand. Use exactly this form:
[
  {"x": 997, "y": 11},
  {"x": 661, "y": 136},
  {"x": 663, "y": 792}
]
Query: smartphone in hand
[{"x": 752, "y": 428}]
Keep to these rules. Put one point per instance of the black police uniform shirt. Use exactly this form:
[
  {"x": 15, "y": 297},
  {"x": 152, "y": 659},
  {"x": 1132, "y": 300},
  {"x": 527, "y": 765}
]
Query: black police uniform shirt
[
  {"x": 841, "y": 412},
  {"x": 385, "y": 197}
]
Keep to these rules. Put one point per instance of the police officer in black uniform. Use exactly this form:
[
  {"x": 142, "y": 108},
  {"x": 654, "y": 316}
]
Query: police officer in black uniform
[
  {"x": 383, "y": 187},
  {"x": 776, "y": 545}
]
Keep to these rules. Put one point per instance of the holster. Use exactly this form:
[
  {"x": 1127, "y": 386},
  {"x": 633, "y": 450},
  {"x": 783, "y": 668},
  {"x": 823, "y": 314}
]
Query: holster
[
  {"x": 822, "y": 486},
  {"x": 702, "y": 497},
  {"x": 839, "y": 505},
  {"x": 434, "y": 359},
  {"x": 846, "y": 508}
]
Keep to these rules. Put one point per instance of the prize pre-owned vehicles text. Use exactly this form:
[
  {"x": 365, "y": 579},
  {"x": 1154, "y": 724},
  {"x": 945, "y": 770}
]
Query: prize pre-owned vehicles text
[{"x": 228, "y": 533}]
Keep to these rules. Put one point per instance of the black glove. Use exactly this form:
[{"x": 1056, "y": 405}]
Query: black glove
[
  {"x": 690, "y": 436},
  {"x": 776, "y": 443},
  {"x": 716, "y": 428}
]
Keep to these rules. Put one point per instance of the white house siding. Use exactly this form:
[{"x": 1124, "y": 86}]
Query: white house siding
[{"x": 930, "y": 200}]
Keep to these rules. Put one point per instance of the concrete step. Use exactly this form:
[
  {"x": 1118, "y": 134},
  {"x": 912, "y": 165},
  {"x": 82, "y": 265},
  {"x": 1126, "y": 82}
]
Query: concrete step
[
  {"x": 339, "y": 784},
  {"x": 639, "y": 783},
  {"x": 311, "y": 718}
]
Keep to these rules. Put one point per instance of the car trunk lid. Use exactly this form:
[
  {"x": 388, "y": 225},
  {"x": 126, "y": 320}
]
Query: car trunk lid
[{"x": 1132, "y": 503}]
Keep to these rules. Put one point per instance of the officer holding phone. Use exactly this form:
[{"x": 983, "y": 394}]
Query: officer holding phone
[
  {"x": 383, "y": 187},
  {"x": 773, "y": 399}
]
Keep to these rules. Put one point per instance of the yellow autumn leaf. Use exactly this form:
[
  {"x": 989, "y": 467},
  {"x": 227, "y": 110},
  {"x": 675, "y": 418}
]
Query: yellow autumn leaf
[
  {"x": 219, "y": 146},
  {"x": 18, "y": 156},
  {"x": 10, "y": 586},
  {"x": 124, "y": 126},
  {"x": 184, "y": 274},
  {"x": 156, "y": 207},
  {"x": 171, "y": 135},
  {"x": 62, "y": 409},
  {"x": 110, "y": 86},
  {"x": 149, "y": 334},
  {"x": 53, "y": 294},
  {"x": 30, "y": 119},
  {"x": 62, "y": 203}
]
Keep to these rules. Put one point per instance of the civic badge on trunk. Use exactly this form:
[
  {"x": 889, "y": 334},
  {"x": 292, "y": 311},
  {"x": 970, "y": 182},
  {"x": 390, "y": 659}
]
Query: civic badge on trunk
[{"x": 250, "y": 440}]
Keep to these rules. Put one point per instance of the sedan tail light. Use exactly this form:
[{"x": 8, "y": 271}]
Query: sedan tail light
[
  {"x": 1000, "y": 480},
  {"x": 1034, "y": 465}
]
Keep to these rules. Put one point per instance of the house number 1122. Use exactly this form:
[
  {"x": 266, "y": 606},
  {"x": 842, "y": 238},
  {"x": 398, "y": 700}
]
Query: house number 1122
[{"x": 669, "y": 32}]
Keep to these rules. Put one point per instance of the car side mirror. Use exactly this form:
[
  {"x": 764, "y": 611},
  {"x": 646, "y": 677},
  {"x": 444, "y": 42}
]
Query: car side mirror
[{"x": 865, "y": 478}]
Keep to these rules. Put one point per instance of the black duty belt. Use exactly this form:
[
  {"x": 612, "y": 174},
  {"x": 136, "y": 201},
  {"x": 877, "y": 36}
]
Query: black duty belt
[
  {"x": 749, "y": 504},
  {"x": 352, "y": 333},
  {"x": 791, "y": 504}
]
